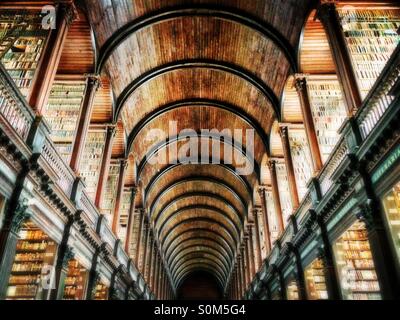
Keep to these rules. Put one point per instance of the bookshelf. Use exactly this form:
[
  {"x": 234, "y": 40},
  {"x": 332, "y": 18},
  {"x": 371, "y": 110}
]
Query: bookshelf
[
  {"x": 315, "y": 281},
  {"x": 134, "y": 244},
  {"x": 301, "y": 156},
  {"x": 110, "y": 192},
  {"x": 292, "y": 290},
  {"x": 355, "y": 266},
  {"x": 75, "y": 282},
  {"x": 272, "y": 219},
  {"x": 101, "y": 292},
  {"x": 284, "y": 192},
  {"x": 124, "y": 215},
  {"x": 62, "y": 113},
  {"x": 328, "y": 110},
  {"x": 371, "y": 37},
  {"x": 391, "y": 203},
  {"x": 91, "y": 160},
  {"x": 34, "y": 251},
  {"x": 22, "y": 40}
]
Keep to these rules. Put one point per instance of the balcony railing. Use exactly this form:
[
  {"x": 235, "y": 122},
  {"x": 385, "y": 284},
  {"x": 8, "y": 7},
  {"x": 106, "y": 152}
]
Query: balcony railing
[
  {"x": 13, "y": 107},
  {"x": 379, "y": 99},
  {"x": 64, "y": 175},
  {"x": 19, "y": 118}
]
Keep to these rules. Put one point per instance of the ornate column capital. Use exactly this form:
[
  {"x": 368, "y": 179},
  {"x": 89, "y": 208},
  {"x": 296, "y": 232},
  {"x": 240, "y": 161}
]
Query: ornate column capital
[
  {"x": 284, "y": 131},
  {"x": 300, "y": 82},
  {"x": 93, "y": 80},
  {"x": 20, "y": 216},
  {"x": 271, "y": 164},
  {"x": 67, "y": 9},
  {"x": 68, "y": 255},
  {"x": 111, "y": 130}
]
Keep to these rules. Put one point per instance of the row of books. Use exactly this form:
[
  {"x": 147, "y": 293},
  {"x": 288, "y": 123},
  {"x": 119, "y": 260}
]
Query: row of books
[
  {"x": 371, "y": 36},
  {"x": 91, "y": 160},
  {"x": 356, "y": 267},
  {"x": 315, "y": 281},
  {"x": 302, "y": 161},
  {"x": 329, "y": 113},
  {"x": 284, "y": 192}
]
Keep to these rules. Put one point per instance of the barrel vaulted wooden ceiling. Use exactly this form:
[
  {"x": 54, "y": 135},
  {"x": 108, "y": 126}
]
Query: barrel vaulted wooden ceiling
[{"x": 206, "y": 65}]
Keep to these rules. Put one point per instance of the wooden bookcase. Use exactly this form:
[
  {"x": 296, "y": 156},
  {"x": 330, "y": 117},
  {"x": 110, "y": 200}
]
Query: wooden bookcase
[
  {"x": 302, "y": 161},
  {"x": 62, "y": 114},
  {"x": 110, "y": 192},
  {"x": 292, "y": 290},
  {"x": 328, "y": 110},
  {"x": 391, "y": 203},
  {"x": 371, "y": 37},
  {"x": 91, "y": 159},
  {"x": 75, "y": 282},
  {"x": 22, "y": 41},
  {"x": 315, "y": 281},
  {"x": 34, "y": 251},
  {"x": 355, "y": 266},
  {"x": 101, "y": 292},
  {"x": 284, "y": 192},
  {"x": 124, "y": 215}
]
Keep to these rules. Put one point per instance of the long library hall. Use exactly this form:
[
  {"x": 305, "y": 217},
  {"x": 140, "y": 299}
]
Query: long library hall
[{"x": 199, "y": 150}]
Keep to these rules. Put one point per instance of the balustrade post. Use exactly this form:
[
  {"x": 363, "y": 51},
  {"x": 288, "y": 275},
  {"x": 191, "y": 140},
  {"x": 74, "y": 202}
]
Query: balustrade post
[
  {"x": 305, "y": 104},
  {"x": 329, "y": 17}
]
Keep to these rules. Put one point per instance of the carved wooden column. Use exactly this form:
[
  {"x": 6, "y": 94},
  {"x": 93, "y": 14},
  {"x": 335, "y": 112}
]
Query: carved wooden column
[
  {"x": 153, "y": 267},
  {"x": 328, "y": 15},
  {"x": 302, "y": 90},
  {"x": 267, "y": 229},
  {"x": 92, "y": 84},
  {"x": 275, "y": 195},
  {"x": 237, "y": 287},
  {"x": 251, "y": 252},
  {"x": 258, "y": 239},
  {"x": 144, "y": 246},
  {"x": 244, "y": 268},
  {"x": 240, "y": 275},
  {"x": 132, "y": 220},
  {"x": 149, "y": 253},
  {"x": 156, "y": 280},
  {"x": 120, "y": 190},
  {"x": 141, "y": 220},
  {"x": 248, "y": 263},
  {"x": 105, "y": 165},
  {"x": 46, "y": 72},
  {"x": 284, "y": 131}
]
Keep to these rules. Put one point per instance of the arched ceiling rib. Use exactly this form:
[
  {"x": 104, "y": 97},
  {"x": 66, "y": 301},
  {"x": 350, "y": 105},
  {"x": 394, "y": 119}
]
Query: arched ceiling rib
[{"x": 205, "y": 64}]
